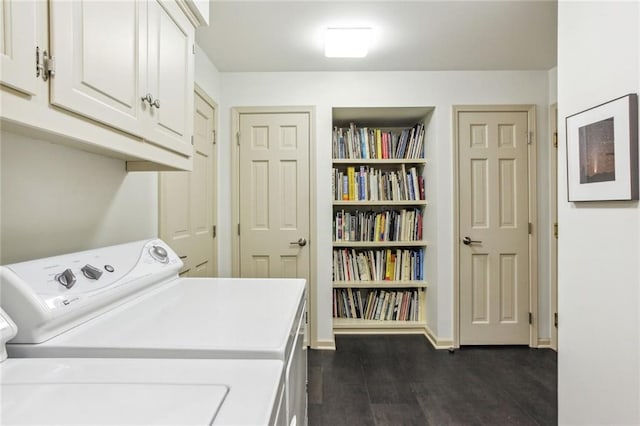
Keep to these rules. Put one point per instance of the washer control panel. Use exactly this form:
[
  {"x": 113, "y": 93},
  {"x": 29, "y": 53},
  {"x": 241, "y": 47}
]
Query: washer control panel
[{"x": 63, "y": 281}]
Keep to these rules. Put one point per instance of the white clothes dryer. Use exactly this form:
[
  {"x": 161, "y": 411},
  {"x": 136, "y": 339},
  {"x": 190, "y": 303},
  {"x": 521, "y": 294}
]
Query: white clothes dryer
[
  {"x": 127, "y": 301},
  {"x": 101, "y": 391}
]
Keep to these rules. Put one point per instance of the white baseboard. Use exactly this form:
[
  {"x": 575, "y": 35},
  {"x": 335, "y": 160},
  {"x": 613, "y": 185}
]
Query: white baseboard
[
  {"x": 435, "y": 342},
  {"x": 544, "y": 342},
  {"x": 325, "y": 345},
  {"x": 330, "y": 345}
]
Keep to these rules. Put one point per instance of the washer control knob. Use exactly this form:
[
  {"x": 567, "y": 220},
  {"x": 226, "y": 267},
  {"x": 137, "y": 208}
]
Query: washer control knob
[
  {"x": 159, "y": 254},
  {"x": 91, "y": 272},
  {"x": 67, "y": 278}
]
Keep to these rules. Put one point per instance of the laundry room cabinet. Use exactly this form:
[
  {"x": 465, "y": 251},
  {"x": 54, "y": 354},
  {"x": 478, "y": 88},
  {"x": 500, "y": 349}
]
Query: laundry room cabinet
[
  {"x": 379, "y": 200},
  {"x": 115, "y": 78},
  {"x": 17, "y": 39}
]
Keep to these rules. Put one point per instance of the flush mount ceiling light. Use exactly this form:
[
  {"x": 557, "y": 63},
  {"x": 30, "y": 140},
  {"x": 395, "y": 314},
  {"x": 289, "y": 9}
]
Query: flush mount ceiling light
[{"x": 347, "y": 42}]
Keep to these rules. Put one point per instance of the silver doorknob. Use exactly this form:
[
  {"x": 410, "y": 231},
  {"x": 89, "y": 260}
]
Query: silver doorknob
[
  {"x": 467, "y": 241},
  {"x": 301, "y": 242},
  {"x": 147, "y": 98},
  {"x": 155, "y": 103}
]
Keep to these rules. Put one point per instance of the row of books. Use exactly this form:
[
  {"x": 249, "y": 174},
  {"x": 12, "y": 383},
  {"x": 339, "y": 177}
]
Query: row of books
[
  {"x": 376, "y": 304},
  {"x": 371, "y": 184},
  {"x": 383, "y": 264},
  {"x": 386, "y": 225},
  {"x": 364, "y": 143}
]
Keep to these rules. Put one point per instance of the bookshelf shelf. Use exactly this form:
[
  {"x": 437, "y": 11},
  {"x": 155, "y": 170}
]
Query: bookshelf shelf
[
  {"x": 382, "y": 162},
  {"x": 394, "y": 244},
  {"x": 400, "y": 203},
  {"x": 380, "y": 283},
  {"x": 350, "y": 323},
  {"x": 364, "y": 146}
]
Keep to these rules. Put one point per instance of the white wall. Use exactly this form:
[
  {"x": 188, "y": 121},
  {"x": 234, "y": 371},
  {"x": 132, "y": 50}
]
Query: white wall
[
  {"x": 207, "y": 75},
  {"x": 438, "y": 89},
  {"x": 57, "y": 199},
  {"x": 599, "y": 276}
]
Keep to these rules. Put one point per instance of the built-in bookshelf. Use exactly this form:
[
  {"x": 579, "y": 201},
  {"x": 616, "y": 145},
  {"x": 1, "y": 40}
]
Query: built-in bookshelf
[{"x": 379, "y": 199}]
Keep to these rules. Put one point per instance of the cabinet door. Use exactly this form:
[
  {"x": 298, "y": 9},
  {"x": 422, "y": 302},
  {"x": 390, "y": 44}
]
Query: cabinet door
[
  {"x": 99, "y": 60},
  {"x": 18, "y": 45},
  {"x": 170, "y": 76}
]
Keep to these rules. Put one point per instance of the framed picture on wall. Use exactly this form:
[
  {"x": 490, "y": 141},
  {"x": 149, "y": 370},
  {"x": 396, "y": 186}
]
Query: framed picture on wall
[{"x": 602, "y": 151}]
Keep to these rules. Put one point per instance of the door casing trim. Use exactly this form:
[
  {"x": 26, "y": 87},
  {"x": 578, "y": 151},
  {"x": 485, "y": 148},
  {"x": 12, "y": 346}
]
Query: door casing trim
[
  {"x": 553, "y": 215},
  {"x": 236, "y": 112},
  {"x": 533, "y": 219},
  {"x": 214, "y": 151}
]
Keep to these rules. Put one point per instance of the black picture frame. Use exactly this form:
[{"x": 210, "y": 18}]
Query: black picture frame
[{"x": 602, "y": 152}]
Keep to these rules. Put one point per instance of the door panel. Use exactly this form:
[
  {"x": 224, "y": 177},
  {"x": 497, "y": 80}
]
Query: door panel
[
  {"x": 274, "y": 195},
  {"x": 494, "y": 269},
  {"x": 18, "y": 45},
  {"x": 99, "y": 76},
  {"x": 187, "y": 213},
  {"x": 170, "y": 59}
]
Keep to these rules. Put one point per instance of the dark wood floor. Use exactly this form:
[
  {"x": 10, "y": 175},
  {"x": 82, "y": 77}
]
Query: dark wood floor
[{"x": 403, "y": 381}]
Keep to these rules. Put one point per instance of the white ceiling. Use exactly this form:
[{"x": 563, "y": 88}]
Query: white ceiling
[{"x": 409, "y": 35}]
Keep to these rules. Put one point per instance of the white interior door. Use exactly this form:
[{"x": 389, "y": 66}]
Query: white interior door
[
  {"x": 18, "y": 45},
  {"x": 187, "y": 200},
  {"x": 274, "y": 195},
  {"x": 493, "y": 206}
]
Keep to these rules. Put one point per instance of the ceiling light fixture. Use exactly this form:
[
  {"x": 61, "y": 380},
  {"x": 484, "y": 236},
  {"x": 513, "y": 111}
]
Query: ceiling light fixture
[{"x": 347, "y": 42}]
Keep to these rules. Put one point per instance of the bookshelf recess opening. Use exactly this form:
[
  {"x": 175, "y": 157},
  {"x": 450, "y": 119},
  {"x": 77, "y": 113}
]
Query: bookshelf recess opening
[{"x": 379, "y": 198}]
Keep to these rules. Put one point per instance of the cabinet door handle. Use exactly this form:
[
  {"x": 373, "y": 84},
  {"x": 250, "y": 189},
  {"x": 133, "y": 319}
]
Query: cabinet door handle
[
  {"x": 147, "y": 98},
  {"x": 156, "y": 103}
]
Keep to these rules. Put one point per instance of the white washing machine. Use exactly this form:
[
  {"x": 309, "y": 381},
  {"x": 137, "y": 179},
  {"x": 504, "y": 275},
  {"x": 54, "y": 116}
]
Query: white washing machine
[
  {"x": 127, "y": 301},
  {"x": 97, "y": 391}
]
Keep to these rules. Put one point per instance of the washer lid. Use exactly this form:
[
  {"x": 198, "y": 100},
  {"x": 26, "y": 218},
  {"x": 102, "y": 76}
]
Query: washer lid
[
  {"x": 189, "y": 318},
  {"x": 110, "y": 403}
]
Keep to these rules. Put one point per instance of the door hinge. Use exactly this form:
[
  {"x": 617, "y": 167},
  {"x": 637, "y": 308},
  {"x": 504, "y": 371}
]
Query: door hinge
[
  {"x": 530, "y": 228},
  {"x": 555, "y": 320},
  {"x": 555, "y": 139},
  {"x": 555, "y": 230},
  {"x": 193, "y": 49},
  {"x": 238, "y": 138},
  {"x": 529, "y": 138},
  {"x": 213, "y": 231},
  {"x": 306, "y": 317},
  {"x": 238, "y": 229},
  {"x": 47, "y": 67},
  {"x": 213, "y": 136},
  {"x": 530, "y": 318},
  {"x": 191, "y": 139}
]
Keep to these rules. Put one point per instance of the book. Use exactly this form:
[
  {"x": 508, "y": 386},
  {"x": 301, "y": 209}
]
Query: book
[
  {"x": 378, "y": 144},
  {"x": 345, "y": 187},
  {"x": 351, "y": 171}
]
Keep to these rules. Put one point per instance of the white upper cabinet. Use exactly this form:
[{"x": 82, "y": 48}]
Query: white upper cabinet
[
  {"x": 127, "y": 64},
  {"x": 120, "y": 81},
  {"x": 18, "y": 45},
  {"x": 169, "y": 76},
  {"x": 99, "y": 70}
]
